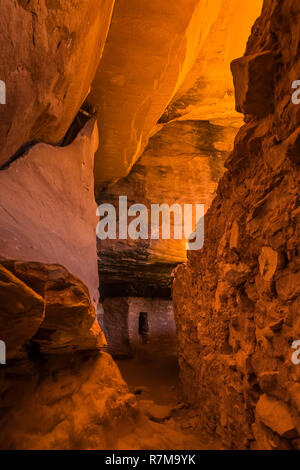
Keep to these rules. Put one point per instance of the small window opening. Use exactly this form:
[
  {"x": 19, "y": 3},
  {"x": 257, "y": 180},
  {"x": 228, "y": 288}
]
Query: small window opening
[{"x": 143, "y": 327}]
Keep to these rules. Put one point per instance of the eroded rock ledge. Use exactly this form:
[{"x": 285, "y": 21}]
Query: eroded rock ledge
[
  {"x": 57, "y": 389},
  {"x": 48, "y": 208},
  {"x": 237, "y": 301}
]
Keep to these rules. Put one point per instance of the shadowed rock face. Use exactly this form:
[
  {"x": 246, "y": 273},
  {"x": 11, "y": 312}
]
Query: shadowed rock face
[
  {"x": 71, "y": 402},
  {"x": 48, "y": 210},
  {"x": 237, "y": 301},
  {"x": 22, "y": 311},
  {"x": 49, "y": 55}
]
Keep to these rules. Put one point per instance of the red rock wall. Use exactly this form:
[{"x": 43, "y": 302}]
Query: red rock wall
[{"x": 237, "y": 301}]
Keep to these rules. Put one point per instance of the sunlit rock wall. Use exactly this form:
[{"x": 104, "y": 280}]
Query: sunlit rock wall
[
  {"x": 237, "y": 301},
  {"x": 207, "y": 92},
  {"x": 57, "y": 389},
  {"x": 49, "y": 55},
  {"x": 158, "y": 52}
]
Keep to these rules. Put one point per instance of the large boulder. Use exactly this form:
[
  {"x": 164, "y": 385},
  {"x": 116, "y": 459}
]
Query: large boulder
[
  {"x": 21, "y": 313},
  {"x": 69, "y": 402},
  {"x": 43, "y": 306},
  {"x": 57, "y": 390}
]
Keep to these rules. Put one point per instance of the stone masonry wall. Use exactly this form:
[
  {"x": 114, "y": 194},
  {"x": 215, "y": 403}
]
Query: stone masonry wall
[{"x": 237, "y": 301}]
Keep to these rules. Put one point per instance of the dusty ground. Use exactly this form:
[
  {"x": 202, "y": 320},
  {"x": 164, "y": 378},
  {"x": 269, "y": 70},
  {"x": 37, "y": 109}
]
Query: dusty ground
[{"x": 165, "y": 422}]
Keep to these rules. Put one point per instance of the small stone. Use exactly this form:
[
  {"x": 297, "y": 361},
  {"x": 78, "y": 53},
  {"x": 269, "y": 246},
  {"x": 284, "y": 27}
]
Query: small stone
[
  {"x": 155, "y": 412},
  {"x": 268, "y": 260},
  {"x": 253, "y": 77},
  {"x": 234, "y": 235},
  {"x": 275, "y": 414},
  {"x": 236, "y": 274},
  {"x": 268, "y": 381},
  {"x": 288, "y": 285},
  {"x": 275, "y": 156}
]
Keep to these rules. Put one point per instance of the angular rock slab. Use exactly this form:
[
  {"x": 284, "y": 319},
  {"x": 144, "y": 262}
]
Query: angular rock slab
[
  {"x": 276, "y": 416},
  {"x": 253, "y": 81},
  {"x": 70, "y": 321}
]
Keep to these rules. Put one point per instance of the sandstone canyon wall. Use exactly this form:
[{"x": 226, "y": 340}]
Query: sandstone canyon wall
[
  {"x": 182, "y": 164},
  {"x": 48, "y": 208},
  {"x": 237, "y": 301},
  {"x": 156, "y": 52}
]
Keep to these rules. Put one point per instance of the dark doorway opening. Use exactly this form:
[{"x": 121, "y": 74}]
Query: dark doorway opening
[{"x": 143, "y": 326}]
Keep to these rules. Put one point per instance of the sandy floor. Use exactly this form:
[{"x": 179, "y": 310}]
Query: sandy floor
[{"x": 165, "y": 423}]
